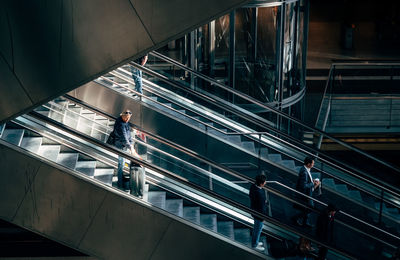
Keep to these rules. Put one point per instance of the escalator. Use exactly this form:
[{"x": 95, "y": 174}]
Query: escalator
[
  {"x": 61, "y": 171},
  {"x": 360, "y": 200},
  {"x": 67, "y": 111},
  {"x": 67, "y": 196},
  {"x": 279, "y": 155}
]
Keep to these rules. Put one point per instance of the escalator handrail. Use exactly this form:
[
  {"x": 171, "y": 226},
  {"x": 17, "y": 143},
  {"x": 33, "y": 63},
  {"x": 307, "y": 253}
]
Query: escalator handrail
[
  {"x": 180, "y": 148},
  {"x": 372, "y": 180},
  {"x": 236, "y": 174},
  {"x": 274, "y": 110},
  {"x": 382, "y": 185},
  {"x": 270, "y": 135},
  {"x": 249, "y": 211}
]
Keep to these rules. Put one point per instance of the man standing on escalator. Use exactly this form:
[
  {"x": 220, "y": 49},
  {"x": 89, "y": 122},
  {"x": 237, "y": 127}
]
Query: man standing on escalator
[
  {"x": 124, "y": 141},
  {"x": 258, "y": 202}
]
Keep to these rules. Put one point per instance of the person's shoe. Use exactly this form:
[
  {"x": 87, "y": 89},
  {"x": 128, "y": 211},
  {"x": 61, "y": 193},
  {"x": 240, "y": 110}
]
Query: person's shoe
[
  {"x": 259, "y": 248},
  {"x": 260, "y": 244}
]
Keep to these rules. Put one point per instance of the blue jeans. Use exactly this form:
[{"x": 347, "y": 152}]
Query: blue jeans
[
  {"x": 255, "y": 238},
  {"x": 137, "y": 78},
  {"x": 120, "y": 170}
]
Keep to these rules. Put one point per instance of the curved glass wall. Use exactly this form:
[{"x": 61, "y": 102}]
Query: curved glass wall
[{"x": 258, "y": 49}]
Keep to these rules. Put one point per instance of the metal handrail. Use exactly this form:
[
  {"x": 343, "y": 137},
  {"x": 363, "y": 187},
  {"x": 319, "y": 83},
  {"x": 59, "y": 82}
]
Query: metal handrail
[
  {"x": 204, "y": 159},
  {"x": 372, "y": 182},
  {"x": 243, "y": 177},
  {"x": 325, "y": 90},
  {"x": 119, "y": 152},
  {"x": 205, "y": 191},
  {"x": 273, "y": 129},
  {"x": 276, "y": 111}
]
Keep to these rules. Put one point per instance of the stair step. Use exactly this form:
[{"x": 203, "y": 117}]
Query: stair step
[
  {"x": 86, "y": 167},
  {"x": 192, "y": 214},
  {"x": 68, "y": 160},
  {"x": 49, "y": 152},
  {"x": 226, "y": 228},
  {"x": 235, "y": 139},
  {"x": 157, "y": 198},
  {"x": 13, "y": 136},
  {"x": 264, "y": 153},
  {"x": 242, "y": 235},
  {"x": 328, "y": 182},
  {"x": 249, "y": 146},
  {"x": 275, "y": 157},
  {"x": 32, "y": 144},
  {"x": 342, "y": 188},
  {"x": 356, "y": 195},
  {"x": 289, "y": 164},
  {"x": 174, "y": 206},
  {"x": 209, "y": 221},
  {"x": 104, "y": 175}
]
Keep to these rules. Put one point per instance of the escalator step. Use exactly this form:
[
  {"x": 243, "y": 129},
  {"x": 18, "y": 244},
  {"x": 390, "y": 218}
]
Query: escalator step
[
  {"x": 264, "y": 152},
  {"x": 275, "y": 157},
  {"x": 104, "y": 175},
  {"x": 342, "y": 188},
  {"x": 226, "y": 228},
  {"x": 157, "y": 198},
  {"x": 86, "y": 167},
  {"x": 50, "y": 152},
  {"x": 209, "y": 221},
  {"x": 68, "y": 160},
  {"x": 13, "y": 136},
  {"x": 249, "y": 146},
  {"x": 289, "y": 164},
  {"x": 356, "y": 195},
  {"x": 242, "y": 235},
  {"x": 235, "y": 139},
  {"x": 328, "y": 182},
  {"x": 32, "y": 144},
  {"x": 192, "y": 214},
  {"x": 174, "y": 206}
]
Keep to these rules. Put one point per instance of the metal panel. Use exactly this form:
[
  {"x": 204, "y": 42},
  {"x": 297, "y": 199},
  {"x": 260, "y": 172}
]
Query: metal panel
[
  {"x": 163, "y": 19},
  {"x": 51, "y": 47},
  {"x": 15, "y": 169},
  {"x": 98, "y": 220},
  {"x": 58, "y": 205}
]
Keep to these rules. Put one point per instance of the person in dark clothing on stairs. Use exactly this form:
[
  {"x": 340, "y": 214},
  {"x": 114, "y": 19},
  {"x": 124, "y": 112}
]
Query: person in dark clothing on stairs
[
  {"x": 123, "y": 141},
  {"x": 258, "y": 202},
  {"x": 324, "y": 231},
  {"x": 306, "y": 185}
]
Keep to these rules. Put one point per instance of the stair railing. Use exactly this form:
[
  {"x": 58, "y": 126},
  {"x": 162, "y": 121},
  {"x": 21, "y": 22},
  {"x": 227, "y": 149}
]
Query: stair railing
[
  {"x": 353, "y": 172},
  {"x": 203, "y": 190},
  {"x": 206, "y": 191},
  {"x": 225, "y": 169}
]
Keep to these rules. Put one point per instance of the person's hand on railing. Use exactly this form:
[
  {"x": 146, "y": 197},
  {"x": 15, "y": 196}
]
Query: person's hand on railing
[{"x": 134, "y": 153}]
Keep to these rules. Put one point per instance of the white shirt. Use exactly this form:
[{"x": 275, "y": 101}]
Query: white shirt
[{"x": 309, "y": 174}]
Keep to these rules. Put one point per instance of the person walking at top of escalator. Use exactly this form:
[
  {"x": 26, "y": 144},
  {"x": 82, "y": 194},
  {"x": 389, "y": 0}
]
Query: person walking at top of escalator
[
  {"x": 123, "y": 141},
  {"x": 137, "y": 74},
  {"x": 258, "y": 202}
]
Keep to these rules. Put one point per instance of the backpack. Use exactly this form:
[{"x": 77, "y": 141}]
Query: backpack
[{"x": 111, "y": 138}]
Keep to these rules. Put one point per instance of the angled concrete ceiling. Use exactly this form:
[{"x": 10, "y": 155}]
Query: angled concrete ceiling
[{"x": 50, "y": 47}]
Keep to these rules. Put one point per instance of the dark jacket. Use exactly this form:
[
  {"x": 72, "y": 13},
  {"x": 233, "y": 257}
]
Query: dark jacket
[
  {"x": 258, "y": 200},
  {"x": 122, "y": 130},
  {"x": 324, "y": 229},
  {"x": 304, "y": 183}
]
